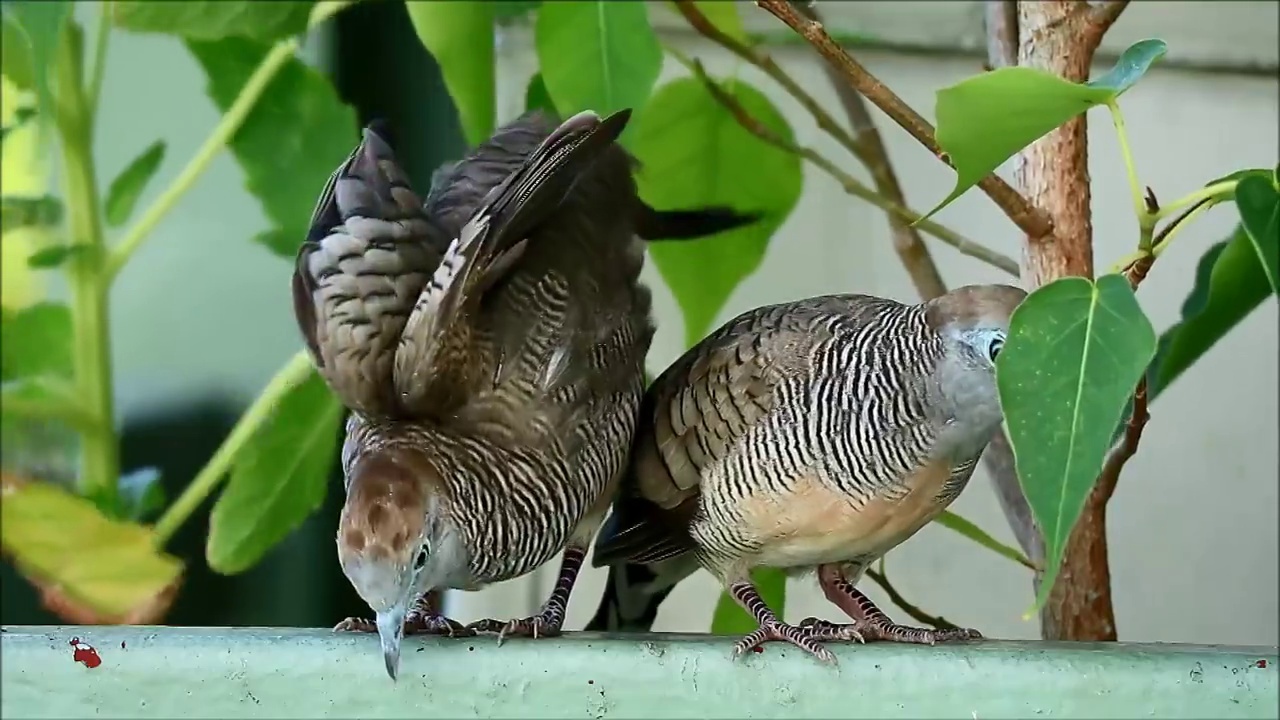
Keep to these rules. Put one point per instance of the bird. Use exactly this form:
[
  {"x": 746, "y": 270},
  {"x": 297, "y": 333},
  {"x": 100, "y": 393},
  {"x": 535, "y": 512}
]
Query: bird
[
  {"x": 811, "y": 436},
  {"x": 489, "y": 344}
]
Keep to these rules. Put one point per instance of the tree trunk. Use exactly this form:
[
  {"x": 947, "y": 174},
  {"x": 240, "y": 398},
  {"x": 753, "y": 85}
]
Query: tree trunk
[{"x": 1054, "y": 174}]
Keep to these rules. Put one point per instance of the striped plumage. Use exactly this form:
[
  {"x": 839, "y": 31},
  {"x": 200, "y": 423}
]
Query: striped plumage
[
  {"x": 818, "y": 433},
  {"x": 490, "y": 344}
]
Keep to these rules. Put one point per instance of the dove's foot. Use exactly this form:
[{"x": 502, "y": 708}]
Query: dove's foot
[
  {"x": 419, "y": 621},
  {"x": 774, "y": 630},
  {"x": 870, "y": 620},
  {"x": 550, "y": 619},
  {"x": 806, "y": 638}
]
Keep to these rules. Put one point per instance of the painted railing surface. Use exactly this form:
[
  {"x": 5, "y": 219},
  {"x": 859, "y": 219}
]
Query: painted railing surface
[{"x": 277, "y": 672}]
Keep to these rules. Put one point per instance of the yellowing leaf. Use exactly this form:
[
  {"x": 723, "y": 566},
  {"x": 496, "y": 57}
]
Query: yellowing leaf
[{"x": 105, "y": 568}]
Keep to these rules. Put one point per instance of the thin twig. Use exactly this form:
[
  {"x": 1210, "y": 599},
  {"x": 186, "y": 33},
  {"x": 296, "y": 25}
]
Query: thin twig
[
  {"x": 1102, "y": 17},
  {"x": 935, "y": 621},
  {"x": 1002, "y": 33},
  {"x": 1032, "y": 220},
  {"x": 850, "y": 185},
  {"x": 911, "y": 249},
  {"x": 1128, "y": 446},
  {"x": 825, "y": 121}
]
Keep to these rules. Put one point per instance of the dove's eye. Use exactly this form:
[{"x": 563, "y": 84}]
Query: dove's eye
[{"x": 420, "y": 561}]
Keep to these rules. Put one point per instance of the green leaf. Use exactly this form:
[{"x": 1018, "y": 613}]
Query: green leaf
[
  {"x": 38, "y": 25},
  {"x": 459, "y": 35},
  {"x": 1229, "y": 283},
  {"x": 19, "y": 212},
  {"x": 54, "y": 255},
  {"x": 35, "y": 340},
  {"x": 292, "y": 139},
  {"x": 21, "y": 116},
  {"x": 969, "y": 529},
  {"x": 722, "y": 15},
  {"x": 141, "y": 494},
  {"x": 1075, "y": 351},
  {"x": 255, "y": 20},
  {"x": 731, "y": 619},
  {"x": 987, "y": 119},
  {"x": 536, "y": 97},
  {"x": 1241, "y": 174},
  {"x": 109, "y": 570},
  {"x": 128, "y": 186},
  {"x": 1258, "y": 201},
  {"x": 279, "y": 478},
  {"x": 693, "y": 153},
  {"x": 597, "y": 55},
  {"x": 15, "y": 55}
]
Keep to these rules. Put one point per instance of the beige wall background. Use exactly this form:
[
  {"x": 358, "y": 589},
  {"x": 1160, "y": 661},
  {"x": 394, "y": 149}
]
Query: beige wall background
[{"x": 1193, "y": 523}]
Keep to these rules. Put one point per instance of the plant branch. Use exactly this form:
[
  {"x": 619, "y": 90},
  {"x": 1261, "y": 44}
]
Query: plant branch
[
  {"x": 1147, "y": 216},
  {"x": 936, "y": 621},
  {"x": 824, "y": 120},
  {"x": 287, "y": 378},
  {"x": 1032, "y": 220},
  {"x": 100, "y": 453},
  {"x": 1165, "y": 236},
  {"x": 1215, "y": 192},
  {"x": 217, "y": 140},
  {"x": 1002, "y": 51},
  {"x": 850, "y": 185},
  {"x": 1002, "y": 33},
  {"x": 911, "y": 249},
  {"x": 1103, "y": 16},
  {"x": 99, "y": 56},
  {"x": 226, "y": 128}
]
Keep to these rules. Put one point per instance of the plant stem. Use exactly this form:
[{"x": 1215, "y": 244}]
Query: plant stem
[
  {"x": 287, "y": 378},
  {"x": 217, "y": 140},
  {"x": 1166, "y": 235},
  {"x": 99, "y": 56},
  {"x": 100, "y": 462},
  {"x": 1215, "y": 192},
  {"x": 1146, "y": 218}
]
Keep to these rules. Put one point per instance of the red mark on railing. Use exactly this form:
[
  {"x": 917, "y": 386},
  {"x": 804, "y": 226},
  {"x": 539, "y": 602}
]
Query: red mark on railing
[
  {"x": 1261, "y": 663},
  {"x": 84, "y": 654}
]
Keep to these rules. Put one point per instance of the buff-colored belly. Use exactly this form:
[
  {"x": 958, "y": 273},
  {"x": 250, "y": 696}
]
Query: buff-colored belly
[{"x": 815, "y": 523}]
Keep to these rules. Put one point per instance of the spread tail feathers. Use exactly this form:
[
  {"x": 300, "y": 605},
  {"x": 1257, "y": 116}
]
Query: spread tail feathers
[
  {"x": 491, "y": 243},
  {"x": 655, "y": 225}
]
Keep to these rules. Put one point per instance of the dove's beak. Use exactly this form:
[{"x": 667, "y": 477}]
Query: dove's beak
[{"x": 391, "y": 632}]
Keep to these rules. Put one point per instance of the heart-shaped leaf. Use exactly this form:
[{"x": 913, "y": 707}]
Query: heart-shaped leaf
[
  {"x": 1075, "y": 352},
  {"x": 459, "y": 35},
  {"x": 693, "y": 153},
  {"x": 597, "y": 55},
  {"x": 731, "y": 619},
  {"x": 988, "y": 118},
  {"x": 125, "y": 190},
  {"x": 279, "y": 477}
]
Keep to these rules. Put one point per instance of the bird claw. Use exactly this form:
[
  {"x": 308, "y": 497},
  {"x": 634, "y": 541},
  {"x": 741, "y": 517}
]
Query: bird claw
[
  {"x": 893, "y": 632},
  {"x": 531, "y": 627},
  {"x": 805, "y": 638},
  {"x": 416, "y": 623}
]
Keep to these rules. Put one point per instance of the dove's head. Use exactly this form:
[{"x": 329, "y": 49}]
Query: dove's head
[
  {"x": 394, "y": 540},
  {"x": 973, "y": 322}
]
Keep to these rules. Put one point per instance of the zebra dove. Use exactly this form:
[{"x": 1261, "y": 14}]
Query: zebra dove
[
  {"x": 490, "y": 344},
  {"x": 819, "y": 433}
]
